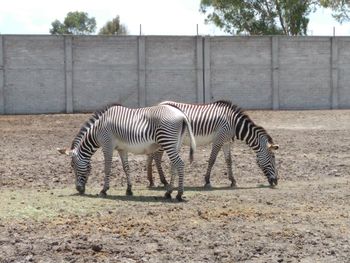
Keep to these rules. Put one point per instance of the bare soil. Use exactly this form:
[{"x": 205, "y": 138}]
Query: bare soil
[{"x": 304, "y": 219}]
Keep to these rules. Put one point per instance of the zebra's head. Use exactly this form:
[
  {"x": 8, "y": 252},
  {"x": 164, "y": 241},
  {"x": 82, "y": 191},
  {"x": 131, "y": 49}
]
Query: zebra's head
[
  {"x": 81, "y": 168},
  {"x": 266, "y": 160}
]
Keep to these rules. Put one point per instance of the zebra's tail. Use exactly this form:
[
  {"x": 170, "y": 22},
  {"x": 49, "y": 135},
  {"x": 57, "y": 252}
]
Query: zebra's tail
[{"x": 188, "y": 124}]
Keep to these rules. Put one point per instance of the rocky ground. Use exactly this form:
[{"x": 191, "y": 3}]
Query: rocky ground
[{"x": 304, "y": 219}]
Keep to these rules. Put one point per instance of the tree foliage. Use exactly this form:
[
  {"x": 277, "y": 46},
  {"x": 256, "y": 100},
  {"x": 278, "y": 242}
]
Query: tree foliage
[
  {"x": 258, "y": 17},
  {"x": 292, "y": 16},
  {"x": 75, "y": 23},
  {"x": 268, "y": 17},
  {"x": 113, "y": 27}
]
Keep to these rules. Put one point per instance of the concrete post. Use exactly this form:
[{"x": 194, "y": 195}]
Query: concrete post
[
  {"x": 334, "y": 74},
  {"x": 275, "y": 73},
  {"x": 199, "y": 69},
  {"x": 68, "y": 68},
  {"x": 142, "y": 100},
  {"x": 206, "y": 70},
  {"x": 2, "y": 77}
]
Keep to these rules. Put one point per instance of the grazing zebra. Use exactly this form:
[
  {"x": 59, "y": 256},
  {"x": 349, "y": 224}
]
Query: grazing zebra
[
  {"x": 219, "y": 123},
  {"x": 140, "y": 131}
]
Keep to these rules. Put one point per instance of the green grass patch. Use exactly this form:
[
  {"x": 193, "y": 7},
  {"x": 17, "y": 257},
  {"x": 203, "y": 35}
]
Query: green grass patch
[
  {"x": 41, "y": 204},
  {"x": 45, "y": 204}
]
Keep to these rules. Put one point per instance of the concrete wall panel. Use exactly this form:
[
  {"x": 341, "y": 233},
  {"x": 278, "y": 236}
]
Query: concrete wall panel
[
  {"x": 241, "y": 71},
  {"x": 305, "y": 73},
  {"x": 34, "y": 74},
  {"x": 344, "y": 69},
  {"x": 105, "y": 71},
  {"x": 31, "y": 91},
  {"x": 171, "y": 69}
]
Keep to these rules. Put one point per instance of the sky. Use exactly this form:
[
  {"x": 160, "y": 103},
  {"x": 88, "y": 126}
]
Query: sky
[{"x": 157, "y": 17}]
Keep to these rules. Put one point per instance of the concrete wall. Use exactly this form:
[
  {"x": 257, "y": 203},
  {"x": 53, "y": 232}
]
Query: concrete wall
[
  {"x": 170, "y": 67},
  {"x": 240, "y": 70},
  {"x": 305, "y": 73},
  {"x": 341, "y": 72},
  {"x": 53, "y": 74},
  {"x": 33, "y": 74},
  {"x": 105, "y": 71}
]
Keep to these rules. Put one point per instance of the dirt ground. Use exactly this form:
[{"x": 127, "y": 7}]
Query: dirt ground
[{"x": 304, "y": 219}]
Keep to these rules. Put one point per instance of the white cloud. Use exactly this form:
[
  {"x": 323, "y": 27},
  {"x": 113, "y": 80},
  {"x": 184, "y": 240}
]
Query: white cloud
[
  {"x": 156, "y": 16},
  {"x": 322, "y": 24}
]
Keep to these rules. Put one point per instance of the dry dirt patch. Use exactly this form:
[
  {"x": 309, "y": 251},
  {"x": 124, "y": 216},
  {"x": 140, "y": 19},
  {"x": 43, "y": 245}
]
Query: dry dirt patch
[{"x": 304, "y": 219}]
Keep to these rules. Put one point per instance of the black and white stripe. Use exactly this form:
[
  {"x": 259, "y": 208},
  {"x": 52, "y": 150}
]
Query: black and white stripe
[
  {"x": 140, "y": 131},
  {"x": 220, "y": 123}
]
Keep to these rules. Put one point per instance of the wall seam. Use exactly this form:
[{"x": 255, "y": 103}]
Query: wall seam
[
  {"x": 3, "y": 77},
  {"x": 141, "y": 67},
  {"x": 68, "y": 73},
  {"x": 275, "y": 72},
  {"x": 334, "y": 83},
  {"x": 206, "y": 70}
]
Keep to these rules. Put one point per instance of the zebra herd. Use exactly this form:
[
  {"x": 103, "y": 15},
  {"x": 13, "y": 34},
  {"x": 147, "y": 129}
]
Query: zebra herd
[{"x": 161, "y": 128}]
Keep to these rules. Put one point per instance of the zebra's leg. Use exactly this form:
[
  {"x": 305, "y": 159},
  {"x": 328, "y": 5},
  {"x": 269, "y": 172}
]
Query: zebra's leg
[
  {"x": 158, "y": 160},
  {"x": 177, "y": 167},
  {"x": 214, "y": 153},
  {"x": 169, "y": 139},
  {"x": 157, "y": 156},
  {"x": 228, "y": 159},
  {"x": 108, "y": 155},
  {"x": 170, "y": 187},
  {"x": 180, "y": 172},
  {"x": 124, "y": 157},
  {"x": 150, "y": 170}
]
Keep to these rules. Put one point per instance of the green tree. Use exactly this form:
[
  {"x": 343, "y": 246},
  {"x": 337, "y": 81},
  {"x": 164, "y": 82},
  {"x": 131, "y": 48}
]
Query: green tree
[
  {"x": 113, "y": 27},
  {"x": 267, "y": 17},
  {"x": 292, "y": 16},
  {"x": 75, "y": 23}
]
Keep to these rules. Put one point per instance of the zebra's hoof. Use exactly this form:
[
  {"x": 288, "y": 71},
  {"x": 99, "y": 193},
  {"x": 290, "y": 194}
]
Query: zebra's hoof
[
  {"x": 167, "y": 195},
  {"x": 233, "y": 184},
  {"x": 207, "y": 186},
  {"x": 179, "y": 198},
  {"x": 102, "y": 194},
  {"x": 151, "y": 185},
  {"x": 129, "y": 192},
  {"x": 273, "y": 181},
  {"x": 81, "y": 189}
]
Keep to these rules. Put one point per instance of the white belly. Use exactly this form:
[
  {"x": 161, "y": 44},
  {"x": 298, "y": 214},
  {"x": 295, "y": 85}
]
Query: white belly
[
  {"x": 142, "y": 148},
  {"x": 200, "y": 140}
]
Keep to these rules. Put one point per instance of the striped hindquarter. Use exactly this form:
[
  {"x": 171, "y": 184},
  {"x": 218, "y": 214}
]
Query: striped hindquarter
[
  {"x": 140, "y": 131},
  {"x": 218, "y": 124}
]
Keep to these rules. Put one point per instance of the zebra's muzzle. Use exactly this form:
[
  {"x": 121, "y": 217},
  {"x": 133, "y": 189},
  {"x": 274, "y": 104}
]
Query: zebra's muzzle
[{"x": 273, "y": 181}]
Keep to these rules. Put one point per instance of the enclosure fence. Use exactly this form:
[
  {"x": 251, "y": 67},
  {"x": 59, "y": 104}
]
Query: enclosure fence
[{"x": 65, "y": 74}]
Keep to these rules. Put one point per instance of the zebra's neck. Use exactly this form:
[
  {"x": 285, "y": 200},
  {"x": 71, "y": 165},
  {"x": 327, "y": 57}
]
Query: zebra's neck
[
  {"x": 247, "y": 131},
  {"x": 85, "y": 143},
  {"x": 88, "y": 144}
]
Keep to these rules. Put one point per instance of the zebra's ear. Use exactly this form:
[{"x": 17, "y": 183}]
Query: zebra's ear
[
  {"x": 272, "y": 147},
  {"x": 65, "y": 151}
]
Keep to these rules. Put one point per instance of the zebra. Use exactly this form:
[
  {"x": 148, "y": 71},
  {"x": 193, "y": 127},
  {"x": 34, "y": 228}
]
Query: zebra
[
  {"x": 219, "y": 123},
  {"x": 140, "y": 131}
]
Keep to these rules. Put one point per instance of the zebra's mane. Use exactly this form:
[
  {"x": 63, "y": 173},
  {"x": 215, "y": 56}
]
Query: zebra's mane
[
  {"x": 90, "y": 123},
  {"x": 241, "y": 112},
  {"x": 227, "y": 103}
]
